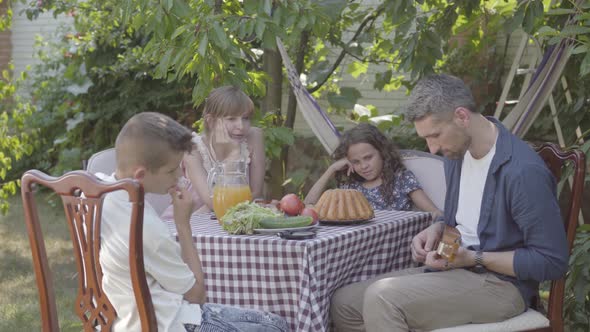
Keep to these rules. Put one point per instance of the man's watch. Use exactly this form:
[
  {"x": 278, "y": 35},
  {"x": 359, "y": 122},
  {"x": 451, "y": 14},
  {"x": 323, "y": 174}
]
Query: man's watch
[
  {"x": 479, "y": 267},
  {"x": 479, "y": 257}
]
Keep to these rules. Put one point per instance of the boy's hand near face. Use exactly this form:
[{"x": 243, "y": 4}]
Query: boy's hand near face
[
  {"x": 183, "y": 207},
  {"x": 183, "y": 204}
]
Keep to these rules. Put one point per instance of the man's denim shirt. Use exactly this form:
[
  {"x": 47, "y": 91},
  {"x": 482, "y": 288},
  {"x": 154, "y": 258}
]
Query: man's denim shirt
[{"x": 519, "y": 211}]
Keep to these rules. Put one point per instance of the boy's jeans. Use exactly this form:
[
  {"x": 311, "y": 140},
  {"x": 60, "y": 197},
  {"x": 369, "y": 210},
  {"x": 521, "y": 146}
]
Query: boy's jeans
[{"x": 222, "y": 318}]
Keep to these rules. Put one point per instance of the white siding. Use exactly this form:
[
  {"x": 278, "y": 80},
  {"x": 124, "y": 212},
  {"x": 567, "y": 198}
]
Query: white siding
[{"x": 24, "y": 32}]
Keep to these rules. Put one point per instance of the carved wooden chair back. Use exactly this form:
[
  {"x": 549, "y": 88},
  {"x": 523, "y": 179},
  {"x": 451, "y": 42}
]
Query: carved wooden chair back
[
  {"x": 82, "y": 195},
  {"x": 556, "y": 159}
]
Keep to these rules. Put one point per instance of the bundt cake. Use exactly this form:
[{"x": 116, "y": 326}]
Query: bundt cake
[{"x": 343, "y": 205}]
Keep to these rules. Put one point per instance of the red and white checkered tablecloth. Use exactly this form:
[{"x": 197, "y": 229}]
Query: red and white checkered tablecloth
[{"x": 296, "y": 279}]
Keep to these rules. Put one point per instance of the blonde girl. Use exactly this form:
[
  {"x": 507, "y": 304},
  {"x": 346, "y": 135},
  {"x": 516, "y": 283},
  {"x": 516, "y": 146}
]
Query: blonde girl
[{"x": 228, "y": 135}]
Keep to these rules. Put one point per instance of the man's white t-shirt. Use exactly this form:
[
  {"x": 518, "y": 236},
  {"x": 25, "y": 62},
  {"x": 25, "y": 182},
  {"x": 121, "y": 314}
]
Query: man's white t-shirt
[
  {"x": 168, "y": 277},
  {"x": 474, "y": 173}
]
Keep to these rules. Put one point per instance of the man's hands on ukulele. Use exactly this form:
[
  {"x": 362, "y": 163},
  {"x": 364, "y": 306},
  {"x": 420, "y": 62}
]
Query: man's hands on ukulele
[
  {"x": 463, "y": 258},
  {"x": 425, "y": 242},
  {"x": 424, "y": 246}
]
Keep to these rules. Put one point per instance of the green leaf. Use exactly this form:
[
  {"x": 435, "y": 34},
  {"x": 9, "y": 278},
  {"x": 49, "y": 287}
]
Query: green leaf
[
  {"x": 546, "y": 31},
  {"x": 515, "y": 21},
  {"x": 585, "y": 65},
  {"x": 331, "y": 8},
  {"x": 283, "y": 135},
  {"x": 220, "y": 36},
  {"x": 260, "y": 25},
  {"x": 319, "y": 71},
  {"x": 181, "y": 9},
  {"x": 538, "y": 9},
  {"x": 580, "y": 49},
  {"x": 382, "y": 79},
  {"x": 356, "y": 68},
  {"x": 528, "y": 22},
  {"x": 180, "y": 30},
  {"x": 573, "y": 30},
  {"x": 561, "y": 11},
  {"x": 168, "y": 5},
  {"x": 267, "y": 7},
  {"x": 203, "y": 45},
  {"x": 200, "y": 91},
  {"x": 162, "y": 69},
  {"x": 431, "y": 39},
  {"x": 346, "y": 99},
  {"x": 251, "y": 6}
]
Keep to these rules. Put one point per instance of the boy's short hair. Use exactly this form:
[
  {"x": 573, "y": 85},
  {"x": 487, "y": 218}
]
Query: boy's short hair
[{"x": 148, "y": 138}]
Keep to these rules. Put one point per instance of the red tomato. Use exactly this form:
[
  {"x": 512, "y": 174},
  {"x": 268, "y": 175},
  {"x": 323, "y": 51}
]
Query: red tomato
[
  {"x": 308, "y": 211},
  {"x": 291, "y": 205}
]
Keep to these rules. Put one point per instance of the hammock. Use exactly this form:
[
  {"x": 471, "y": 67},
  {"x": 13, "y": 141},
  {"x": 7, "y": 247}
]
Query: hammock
[
  {"x": 548, "y": 73},
  {"x": 316, "y": 118}
]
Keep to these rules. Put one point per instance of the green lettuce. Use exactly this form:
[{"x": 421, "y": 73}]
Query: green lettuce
[{"x": 244, "y": 217}]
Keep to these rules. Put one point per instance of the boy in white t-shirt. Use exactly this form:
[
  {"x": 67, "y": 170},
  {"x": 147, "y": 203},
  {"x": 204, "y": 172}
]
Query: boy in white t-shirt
[{"x": 149, "y": 149}]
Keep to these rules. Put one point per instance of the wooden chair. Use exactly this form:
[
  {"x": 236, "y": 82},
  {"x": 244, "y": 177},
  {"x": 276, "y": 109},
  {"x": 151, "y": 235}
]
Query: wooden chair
[
  {"x": 532, "y": 320},
  {"x": 82, "y": 195},
  {"x": 104, "y": 162}
]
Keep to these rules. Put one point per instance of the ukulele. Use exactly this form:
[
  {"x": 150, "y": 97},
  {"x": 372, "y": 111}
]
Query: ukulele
[{"x": 449, "y": 243}]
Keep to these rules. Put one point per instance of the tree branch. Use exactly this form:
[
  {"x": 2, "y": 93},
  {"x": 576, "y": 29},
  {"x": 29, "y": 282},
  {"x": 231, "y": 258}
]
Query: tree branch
[
  {"x": 369, "y": 19},
  {"x": 366, "y": 59}
]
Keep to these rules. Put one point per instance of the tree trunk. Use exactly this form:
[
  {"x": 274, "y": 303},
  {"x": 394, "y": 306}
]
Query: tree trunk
[
  {"x": 217, "y": 8},
  {"x": 292, "y": 103},
  {"x": 299, "y": 62},
  {"x": 272, "y": 103}
]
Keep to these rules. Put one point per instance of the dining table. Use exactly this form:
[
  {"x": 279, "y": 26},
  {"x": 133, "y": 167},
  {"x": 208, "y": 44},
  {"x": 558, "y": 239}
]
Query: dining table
[{"x": 296, "y": 278}]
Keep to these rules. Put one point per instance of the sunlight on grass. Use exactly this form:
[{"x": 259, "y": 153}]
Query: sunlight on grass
[{"x": 19, "y": 303}]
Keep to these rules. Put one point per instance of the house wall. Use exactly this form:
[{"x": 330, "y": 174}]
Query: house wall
[
  {"x": 25, "y": 31},
  {"x": 5, "y": 40}
]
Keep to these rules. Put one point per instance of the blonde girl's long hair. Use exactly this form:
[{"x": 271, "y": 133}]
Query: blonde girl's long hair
[{"x": 226, "y": 101}]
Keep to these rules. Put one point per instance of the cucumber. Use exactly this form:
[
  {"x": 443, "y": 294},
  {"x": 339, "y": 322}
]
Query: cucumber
[{"x": 286, "y": 222}]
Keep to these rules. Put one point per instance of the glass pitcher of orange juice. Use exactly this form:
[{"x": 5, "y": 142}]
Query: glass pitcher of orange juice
[{"x": 229, "y": 183}]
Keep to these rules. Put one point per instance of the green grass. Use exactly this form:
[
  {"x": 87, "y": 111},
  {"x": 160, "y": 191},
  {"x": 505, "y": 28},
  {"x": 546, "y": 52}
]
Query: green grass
[{"x": 19, "y": 301}]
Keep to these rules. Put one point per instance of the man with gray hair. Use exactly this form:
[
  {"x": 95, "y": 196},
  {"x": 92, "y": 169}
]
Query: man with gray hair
[{"x": 500, "y": 197}]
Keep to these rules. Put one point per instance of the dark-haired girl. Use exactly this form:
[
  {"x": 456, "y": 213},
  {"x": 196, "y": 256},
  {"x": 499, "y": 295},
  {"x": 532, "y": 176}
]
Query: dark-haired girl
[{"x": 366, "y": 160}]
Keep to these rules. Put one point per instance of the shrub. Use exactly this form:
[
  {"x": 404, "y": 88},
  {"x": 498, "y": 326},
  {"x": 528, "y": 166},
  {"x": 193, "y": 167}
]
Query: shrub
[{"x": 577, "y": 302}]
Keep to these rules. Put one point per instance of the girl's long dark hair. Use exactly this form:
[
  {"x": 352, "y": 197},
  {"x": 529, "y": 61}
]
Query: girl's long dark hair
[{"x": 392, "y": 163}]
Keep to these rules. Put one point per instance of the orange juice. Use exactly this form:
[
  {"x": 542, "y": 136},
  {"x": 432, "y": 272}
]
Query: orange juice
[{"x": 225, "y": 197}]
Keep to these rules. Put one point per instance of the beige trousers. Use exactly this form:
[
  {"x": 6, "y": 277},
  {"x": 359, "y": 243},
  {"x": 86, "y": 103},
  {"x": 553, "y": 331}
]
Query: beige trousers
[{"x": 412, "y": 300}]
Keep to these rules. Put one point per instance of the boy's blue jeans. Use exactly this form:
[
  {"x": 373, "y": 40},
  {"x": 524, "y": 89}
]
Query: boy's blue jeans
[{"x": 222, "y": 318}]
